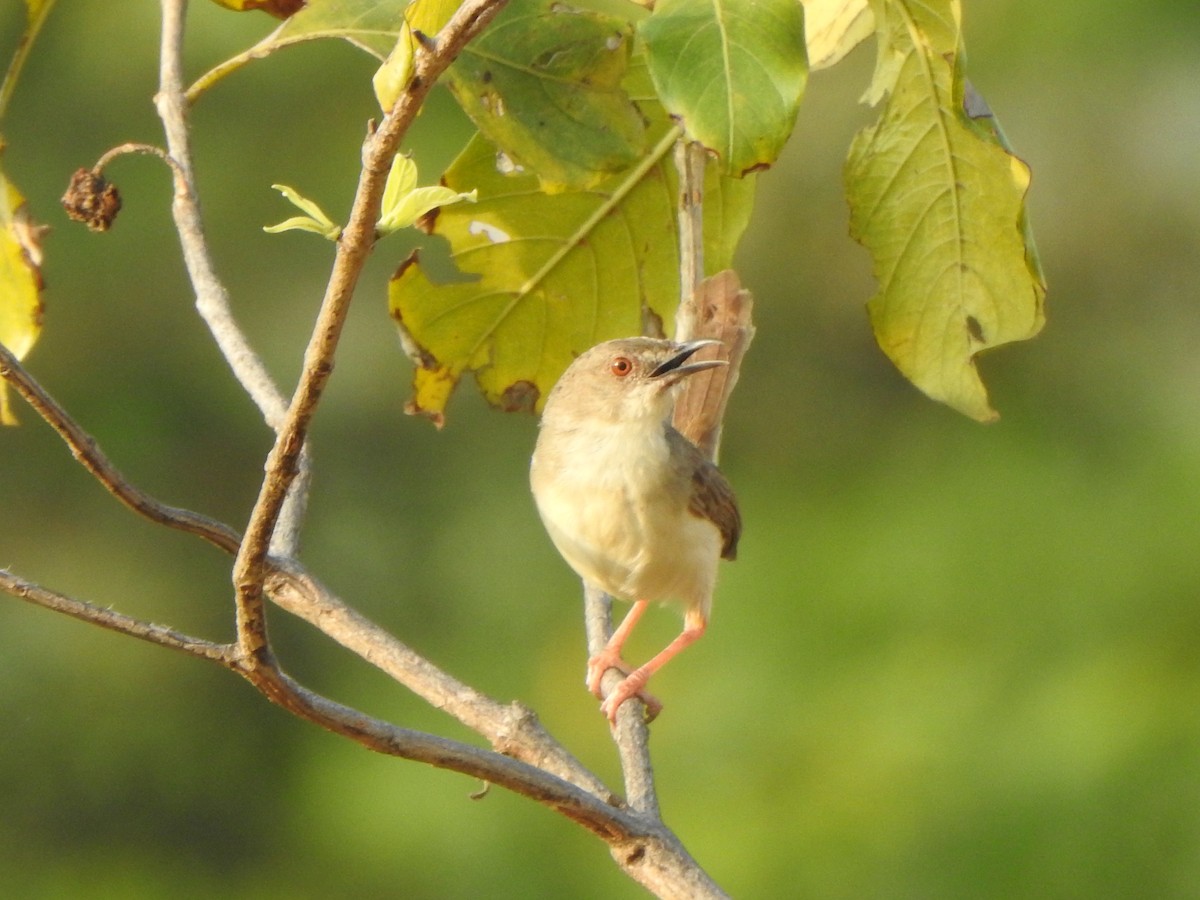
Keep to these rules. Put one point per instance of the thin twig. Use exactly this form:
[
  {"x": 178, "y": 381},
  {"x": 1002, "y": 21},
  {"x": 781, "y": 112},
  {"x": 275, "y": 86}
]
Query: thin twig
[
  {"x": 690, "y": 160},
  {"x": 91, "y": 457},
  {"x": 212, "y": 298},
  {"x": 36, "y": 18},
  {"x": 577, "y": 803},
  {"x": 631, "y": 734},
  {"x": 354, "y": 246},
  {"x": 115, "y": 621},
  {"x": 146, "y": 150}
]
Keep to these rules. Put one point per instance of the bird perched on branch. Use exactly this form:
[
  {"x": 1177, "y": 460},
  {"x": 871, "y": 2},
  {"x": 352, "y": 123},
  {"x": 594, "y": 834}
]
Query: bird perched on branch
[{"x": 631, "y": 504}]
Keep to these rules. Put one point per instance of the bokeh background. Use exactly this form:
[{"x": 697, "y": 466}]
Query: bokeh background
[{"x": 953, "y": 660}]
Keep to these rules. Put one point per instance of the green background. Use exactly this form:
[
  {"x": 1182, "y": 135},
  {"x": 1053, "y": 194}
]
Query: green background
[{"x": 951, "y": 661}]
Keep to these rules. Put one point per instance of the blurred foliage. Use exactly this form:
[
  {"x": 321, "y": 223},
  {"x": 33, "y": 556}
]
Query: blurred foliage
[{"x": 952, "y": 660}]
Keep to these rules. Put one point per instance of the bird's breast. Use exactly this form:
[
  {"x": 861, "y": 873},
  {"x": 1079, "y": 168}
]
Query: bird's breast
[{"x": 616, "y": 507}]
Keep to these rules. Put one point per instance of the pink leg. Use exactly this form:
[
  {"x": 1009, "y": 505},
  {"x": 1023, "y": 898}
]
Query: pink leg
[
  {"x": 610, "y": 656},
  {"x": 694, "y": 624}
]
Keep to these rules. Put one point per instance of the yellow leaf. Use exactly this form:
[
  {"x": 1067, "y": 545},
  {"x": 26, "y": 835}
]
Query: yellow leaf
[
  {"x": 20, "y": 281},
  {"x": 832, "y": 28},
  {"x": 940, "y": 203}
]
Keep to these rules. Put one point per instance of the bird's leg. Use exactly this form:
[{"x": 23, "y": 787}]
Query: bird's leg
[
  {"x": 694, "y": 623},
  {"x": 610, "y": 656}
]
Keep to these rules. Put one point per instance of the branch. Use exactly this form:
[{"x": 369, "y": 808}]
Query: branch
[
  {"x": 511, "y": 729},
  {"x": 85, "y": 450},
  {"x": 115, "y": 621},
  {"x": 632, "y": 734},
  {"x": 212, "y": 299},
  {"x": 354, "y": 246},
  {"x": 646, "y": 850}
]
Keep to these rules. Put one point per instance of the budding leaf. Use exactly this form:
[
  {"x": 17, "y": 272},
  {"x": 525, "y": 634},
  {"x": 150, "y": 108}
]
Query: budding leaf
[
  {"x": 404, "y": 202},
  {"x": 316, "y": 221}
]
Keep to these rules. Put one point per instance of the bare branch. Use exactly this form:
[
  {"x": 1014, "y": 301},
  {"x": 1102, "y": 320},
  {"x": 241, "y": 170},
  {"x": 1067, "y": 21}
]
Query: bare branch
[
  {"x": 512, "y": 728},
  {"x": 115, "y": 621},
  {"x": 690, "y": 159},
  {"x": 354, "y": 246},
  {"x": 91, "y": 457},
  {"x": 579, "y": 804},
  {"x": 212, "y": 299},
  {"x": 631, "y": 734}
]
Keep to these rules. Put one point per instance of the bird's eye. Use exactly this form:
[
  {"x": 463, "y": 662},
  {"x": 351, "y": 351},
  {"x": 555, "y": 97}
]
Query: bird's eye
[{"x": 621, "y": 366}]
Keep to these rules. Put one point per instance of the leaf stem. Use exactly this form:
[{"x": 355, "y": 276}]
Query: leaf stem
[{"x": 36, "y": 20}]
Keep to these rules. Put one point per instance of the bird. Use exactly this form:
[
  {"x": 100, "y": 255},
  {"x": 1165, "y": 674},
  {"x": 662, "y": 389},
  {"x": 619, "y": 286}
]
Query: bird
[{"x": 633, "y": 506}]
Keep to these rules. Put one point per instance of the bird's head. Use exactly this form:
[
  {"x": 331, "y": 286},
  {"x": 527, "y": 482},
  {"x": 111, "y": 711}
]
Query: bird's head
[{"x": 626, "y": 380}]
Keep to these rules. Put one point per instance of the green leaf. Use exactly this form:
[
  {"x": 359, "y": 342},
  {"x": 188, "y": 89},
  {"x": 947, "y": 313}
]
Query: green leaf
[
  {"x": 732, "y": 71},
  {"x": 20, "y": 281},
  {"x": 369, "y": 24},
  {"x": 940, "y": 205},
  {"x": 315, "y": 219},
  {"x": 832, "y": 28},
  {"x": 404, "y": 202},
  {"x": 544, "y": 83},
  {"x": 553, "y": 273}
]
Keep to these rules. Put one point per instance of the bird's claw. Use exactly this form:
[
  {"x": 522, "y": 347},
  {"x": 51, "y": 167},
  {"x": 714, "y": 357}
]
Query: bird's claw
[
  {"x": 632, "y": 686},
  {"x": 599, "y": 664}
]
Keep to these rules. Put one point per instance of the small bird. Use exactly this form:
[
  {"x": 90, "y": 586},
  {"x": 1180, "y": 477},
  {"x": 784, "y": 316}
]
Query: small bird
[{"x": 631, "y": 504}]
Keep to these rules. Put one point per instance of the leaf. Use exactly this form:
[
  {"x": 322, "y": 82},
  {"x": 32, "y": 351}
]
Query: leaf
[
  {"x": 20, "y": 282},
  {"x": 553, "y": 273},
  {"x": 543, "y": 82},
  {"x": 832, "y": 28},
  {"x": 281, "y": 9},
  {"x": 315, "y": 219},
  {"x": 940, "y": 205},
  {"x": 369, "y": 24},
  {"x": 732, "y": 72},
  {"x": 404, "y": 202},
  {"x": 391, "y": 78}
]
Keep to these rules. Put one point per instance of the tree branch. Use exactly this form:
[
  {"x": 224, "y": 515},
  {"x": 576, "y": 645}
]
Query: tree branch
[
  {"x": 511, "y": 728},
  {"x": 85, "y": 450},
  {"x": 354, "y": 246},
  {"x": 115, "y": 621},
  {"x": 212, "y": 298}
]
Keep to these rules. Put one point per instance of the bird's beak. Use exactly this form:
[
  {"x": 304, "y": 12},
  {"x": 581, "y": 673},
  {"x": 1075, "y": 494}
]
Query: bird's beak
[{"x": 675, "y": 366}]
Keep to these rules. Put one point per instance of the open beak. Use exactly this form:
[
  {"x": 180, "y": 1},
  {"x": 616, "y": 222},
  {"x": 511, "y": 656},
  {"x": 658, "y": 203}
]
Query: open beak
[{"x": 677, "y": 366}]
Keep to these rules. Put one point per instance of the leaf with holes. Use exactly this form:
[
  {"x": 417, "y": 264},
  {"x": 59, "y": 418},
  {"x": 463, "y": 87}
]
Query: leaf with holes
[
  {"x": 940, "y": 204},
  {"x": 544, "y": 82},
  {"x": 731, "y": 72}
]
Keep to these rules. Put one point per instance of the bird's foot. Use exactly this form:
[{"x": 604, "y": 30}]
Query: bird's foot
[
  {"x": 608, "y": 658},
  {"x": 633, "y": 686}
]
